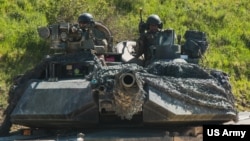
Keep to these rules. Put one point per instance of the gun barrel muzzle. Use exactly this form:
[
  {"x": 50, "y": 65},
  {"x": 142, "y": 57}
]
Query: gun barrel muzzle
[{"x": 127, "y": 79}]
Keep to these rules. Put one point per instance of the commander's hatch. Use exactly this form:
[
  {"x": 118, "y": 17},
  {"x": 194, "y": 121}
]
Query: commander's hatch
[
  {"x": 165, "y": 47},
  {"x": 166, "y": 37}
]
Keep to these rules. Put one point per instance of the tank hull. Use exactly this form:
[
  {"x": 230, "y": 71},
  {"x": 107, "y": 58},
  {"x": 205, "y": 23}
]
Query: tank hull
[
  {"x": 71, "y": 104},
  {"x": 66, "y": 103},
  {"x": 163, "y": 108}
]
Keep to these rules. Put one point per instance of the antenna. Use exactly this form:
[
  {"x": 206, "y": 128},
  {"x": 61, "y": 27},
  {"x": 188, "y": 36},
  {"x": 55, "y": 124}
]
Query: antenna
[
  {"x": 142, "y": 25},
  {"x": 141, "y": 14}
]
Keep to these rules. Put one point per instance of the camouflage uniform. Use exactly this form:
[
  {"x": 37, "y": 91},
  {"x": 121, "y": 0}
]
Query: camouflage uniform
[
  {"x": 92, "y": 29},
  {"x": 144, "y": 42},
  {"x": 95, "y": 31},
  {"x": 148, "y": 39}
]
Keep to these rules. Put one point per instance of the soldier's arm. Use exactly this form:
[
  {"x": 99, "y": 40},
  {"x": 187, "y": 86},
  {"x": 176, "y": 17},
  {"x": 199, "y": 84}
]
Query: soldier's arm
[{"x": 139, "y": 47}]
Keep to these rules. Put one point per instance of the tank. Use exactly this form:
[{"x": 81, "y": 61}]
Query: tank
[{"x": 85, "y": 86}]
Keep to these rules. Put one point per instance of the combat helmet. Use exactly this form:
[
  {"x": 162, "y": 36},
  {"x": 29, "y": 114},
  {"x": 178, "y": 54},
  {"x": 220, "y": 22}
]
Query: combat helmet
[
  {"x": 154, "y": 19},
  {"x": 85, "y": 18}
]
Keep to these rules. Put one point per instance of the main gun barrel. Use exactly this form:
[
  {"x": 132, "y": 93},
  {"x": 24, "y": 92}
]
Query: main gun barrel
[{"x": 127, "y": 80}]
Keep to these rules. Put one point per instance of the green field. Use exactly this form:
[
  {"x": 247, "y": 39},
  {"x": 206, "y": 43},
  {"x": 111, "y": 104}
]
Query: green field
[{"x": 226, "y": 22}]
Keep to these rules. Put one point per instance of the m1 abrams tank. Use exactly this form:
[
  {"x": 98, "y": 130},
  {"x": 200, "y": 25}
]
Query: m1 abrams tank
[{"x": 88, "y": 86}]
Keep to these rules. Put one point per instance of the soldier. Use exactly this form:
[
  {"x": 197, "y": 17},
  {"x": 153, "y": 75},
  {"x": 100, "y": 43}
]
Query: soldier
[
  {"x": 153, "y": 26},
  {"x": 95, "y": 31},
  {"x": 85, "y": 20}
]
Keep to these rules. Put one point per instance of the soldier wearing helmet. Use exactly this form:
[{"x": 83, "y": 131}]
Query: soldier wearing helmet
[
  {"x": 153, "y": 26},
  {"x": 85, "y": 20},
  {"x": 95, "y": 31},
  {"x": 98, "y": 32}
]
